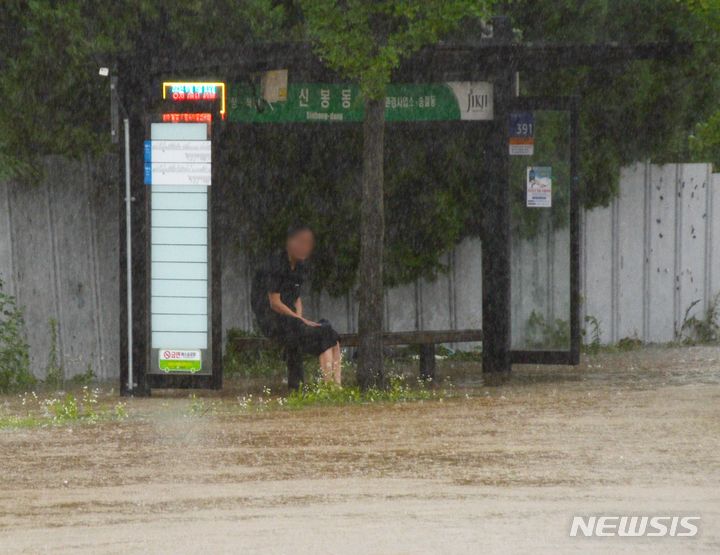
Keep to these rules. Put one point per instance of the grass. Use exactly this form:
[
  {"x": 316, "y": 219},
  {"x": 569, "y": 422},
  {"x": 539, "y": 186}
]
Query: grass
[
  {"x": 21, "y": 422},
  {"x": 87, "y": 405},
  {"x": 399, "y": 390},
  {"x": 318, "y": 393},
  {"x": 63, "y": 408}
]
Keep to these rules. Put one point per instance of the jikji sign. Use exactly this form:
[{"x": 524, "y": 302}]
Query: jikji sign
[{"x": 317, "y": 102}]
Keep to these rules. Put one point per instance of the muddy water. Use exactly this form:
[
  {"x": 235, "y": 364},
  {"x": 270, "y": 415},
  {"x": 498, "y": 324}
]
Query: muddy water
[{"x": 499, "y": 470}]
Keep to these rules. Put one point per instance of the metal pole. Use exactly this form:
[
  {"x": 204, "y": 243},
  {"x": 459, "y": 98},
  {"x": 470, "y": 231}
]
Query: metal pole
[{"x": 128, "y": 247}]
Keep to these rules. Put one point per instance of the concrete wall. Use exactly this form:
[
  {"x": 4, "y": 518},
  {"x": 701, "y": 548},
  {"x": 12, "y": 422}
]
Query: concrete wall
[
  {"x": 645, "y": 259},
  {"x": 59, "y": 256},
  {"x": 653, "y": 252}
]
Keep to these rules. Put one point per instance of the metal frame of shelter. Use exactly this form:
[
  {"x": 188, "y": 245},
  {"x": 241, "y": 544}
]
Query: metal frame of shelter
[
  {"x": 498, "y": 59},
  {"x": 571, "y": 356}
]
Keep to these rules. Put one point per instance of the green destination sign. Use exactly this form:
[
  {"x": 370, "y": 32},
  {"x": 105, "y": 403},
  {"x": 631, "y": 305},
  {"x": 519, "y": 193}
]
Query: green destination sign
[{"x": 328, "y": 103}]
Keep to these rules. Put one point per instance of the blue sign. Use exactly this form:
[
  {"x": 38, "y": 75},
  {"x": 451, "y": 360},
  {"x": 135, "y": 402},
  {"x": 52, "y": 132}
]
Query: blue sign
[
  {"x": 522, "y": 124},
  {"x": 522, "y": 133},
  {"x": 148, "y": 151},
  {"x": 148, "y": 173}
]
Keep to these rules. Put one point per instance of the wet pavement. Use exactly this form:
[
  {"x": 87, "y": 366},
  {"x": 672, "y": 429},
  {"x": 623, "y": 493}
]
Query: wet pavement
[{"x": 499, "y": 469}]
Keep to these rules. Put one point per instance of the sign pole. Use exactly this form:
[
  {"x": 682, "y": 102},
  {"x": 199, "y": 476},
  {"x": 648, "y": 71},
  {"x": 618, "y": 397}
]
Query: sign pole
[{"x": 128, "y": 254}]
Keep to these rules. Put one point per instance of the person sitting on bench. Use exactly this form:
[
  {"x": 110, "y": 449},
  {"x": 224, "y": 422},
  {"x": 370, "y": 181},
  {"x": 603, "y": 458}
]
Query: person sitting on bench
[{"x": 278, "y": 308}]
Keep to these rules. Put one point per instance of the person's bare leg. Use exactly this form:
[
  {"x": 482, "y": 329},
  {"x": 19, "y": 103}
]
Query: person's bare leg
[
  {"x": 326, "y": 364},
  {"x": 337, "y": 364}
]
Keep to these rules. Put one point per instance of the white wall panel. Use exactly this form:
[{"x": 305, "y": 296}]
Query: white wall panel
[
  {"x": 597, "y": 273},
  {"x": 401, "y": 308},
  {"x": 468, "y": 284},
  {"x": 661, "y": 268},
  {"x": 713, "y": 251},
  {"x": 180, "y": 322},
  {"x": 630, "y": 240},
  {"x": 179, "y": 271},
  {"x": 691, "y": 276},
  {"x": 179, "y": 288},
  {"x": 179, "y": 189},
  {"x": 178, "y": 131},
  {"x": 179, "y": 201},
  {"x": 179, "y": 218},
  {"x": 180, "y": 253},
  {"x": 179, "y": 236},
  {"x": 435, "y": 295},
  {"x": 179, "y": 305},
  {"x": 179, "y": 340}
]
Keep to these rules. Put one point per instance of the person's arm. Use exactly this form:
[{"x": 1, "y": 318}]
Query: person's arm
[
  {"x": 280, "y": 307},
  {"x": 273, "y": 284},
  {"x": 299, "y": 306}
]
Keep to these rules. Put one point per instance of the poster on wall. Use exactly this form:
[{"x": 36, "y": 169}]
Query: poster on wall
[{"x": 539, "y": 187}]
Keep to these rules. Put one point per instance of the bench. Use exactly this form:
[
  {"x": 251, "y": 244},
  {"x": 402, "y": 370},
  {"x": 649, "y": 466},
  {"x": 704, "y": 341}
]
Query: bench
[{"x": 425, "y": 340}]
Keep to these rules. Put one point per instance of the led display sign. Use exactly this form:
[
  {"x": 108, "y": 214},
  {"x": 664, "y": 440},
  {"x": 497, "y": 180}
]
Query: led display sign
[
  {"x": 191, "y": 117},
  {"x": 190, "y": 91}
]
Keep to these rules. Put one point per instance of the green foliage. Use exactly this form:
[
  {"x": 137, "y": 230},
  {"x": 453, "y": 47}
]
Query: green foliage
[
  {"x": 365, "y": 41},
  {"x": 85, "y": 378},
  {"x": 704, "y": 330},
  {"x": 593, "y": 338},
  {"x": 281, "y": 174},
  {"x": 267, "y": 362},
  {"x": 14, "y": 350},
  {"x": 54, "y": 102},
  {"x": 631, "y": 343},
  {"x": 705, "y": 141},
  {"x": 541, "y": 334},
  {"x": 636, "y": 110},
  {"x": 46, "y": 82}
]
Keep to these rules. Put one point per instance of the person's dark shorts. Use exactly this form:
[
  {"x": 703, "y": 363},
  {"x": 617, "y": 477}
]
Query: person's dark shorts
[{"x": 292, "y": 333}]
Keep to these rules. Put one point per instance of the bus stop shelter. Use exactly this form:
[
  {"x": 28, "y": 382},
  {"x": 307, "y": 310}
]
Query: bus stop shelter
[{"x": 177, "y": 189}]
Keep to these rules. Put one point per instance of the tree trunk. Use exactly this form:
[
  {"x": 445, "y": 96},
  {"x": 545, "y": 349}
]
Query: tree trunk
[{"x": 372, "y": 234}]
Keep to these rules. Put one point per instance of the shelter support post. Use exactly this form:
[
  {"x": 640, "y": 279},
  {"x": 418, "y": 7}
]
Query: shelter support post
[{"x": 496, "y": 229}]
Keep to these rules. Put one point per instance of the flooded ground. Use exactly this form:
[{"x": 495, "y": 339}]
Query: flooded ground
[{"x": 491, "y": 470}]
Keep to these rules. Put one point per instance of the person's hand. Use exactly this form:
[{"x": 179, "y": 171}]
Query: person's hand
[{"x": 310, "y": 323}]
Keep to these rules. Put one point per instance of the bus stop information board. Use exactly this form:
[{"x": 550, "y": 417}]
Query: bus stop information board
[
  {"x": 318, "y": 102},
  {"x": 178, "y": 169}
]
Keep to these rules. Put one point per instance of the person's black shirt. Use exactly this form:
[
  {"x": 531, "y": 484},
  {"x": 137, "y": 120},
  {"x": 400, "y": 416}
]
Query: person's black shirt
[{"x": 275, "y": 276}]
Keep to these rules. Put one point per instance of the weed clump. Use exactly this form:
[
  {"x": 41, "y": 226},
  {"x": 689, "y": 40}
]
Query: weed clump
[
  {"x": 398, "y": 390},
  {"x": 15, "y": 372},
  {"x": 63, "y": 408},
  {"x": 704, "y": 330}
]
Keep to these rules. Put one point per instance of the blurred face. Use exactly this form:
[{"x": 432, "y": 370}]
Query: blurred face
[{"x": 300, "y": 246}]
